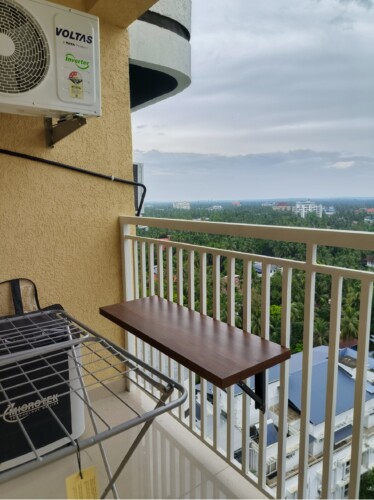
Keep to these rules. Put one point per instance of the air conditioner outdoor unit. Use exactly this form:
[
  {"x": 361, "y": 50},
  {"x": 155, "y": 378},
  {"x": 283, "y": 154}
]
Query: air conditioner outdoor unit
[{"x": 49, "y": 60}]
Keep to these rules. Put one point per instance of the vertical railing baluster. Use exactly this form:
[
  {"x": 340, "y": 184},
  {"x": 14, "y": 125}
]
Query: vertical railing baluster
[
  {"x": 151, "y": 269},
  {"x": 283, "y": 383},
  {"x": 247, "y": 295},
  {"x": 128, "y": 263},
  {"x": 143, "y": 281},
  {"x": 230, "y": 291},
  {"x": 247, "y": 314},
  {"x": 136, "y": 269},
  {"x": 180, "y": 276},
  {"x": 203, "y": 309},
  {"x": 143, "y": 268},
  {"x": 366, "y": 298},
  {"x": 230, "y": 423},
  {"x": 216, "y": 315},
  {"x": 139, "y": 344},
  {"x": 160, "y": 272},
  {"x": 203, "y": 280},
  {"x": 151, "y": 285},
  {"x": 230, "y": 288},
  {"x": 143, "y": 291},
  {"x": 160, "y": 269},
  {"x": 170, "y": 296},
  {"x": 246, "y": 408},
  {"x": 309, "y": 302},
  {"x": 191, "y": 280},
  {"x": 192, "y": 399},
  {"x": 128, "y": 286},
  {"x": 191, "y": 305},
  {"x": 180, "y": 302},
  {"x": 170, "y": 276},
  {"x": 265, "y": 333},
  {"x": 332, "y": 377},
  {"x": 216, "y": 286}
]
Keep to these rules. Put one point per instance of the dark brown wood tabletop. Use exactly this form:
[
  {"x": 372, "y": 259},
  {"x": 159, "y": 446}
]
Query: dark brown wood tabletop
[{"x": 222, "y": 354}]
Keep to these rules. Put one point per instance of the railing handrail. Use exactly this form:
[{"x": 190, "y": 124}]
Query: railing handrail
[
  {"x": 359, "y": 240},
  {"x": 278, "y": 261}
]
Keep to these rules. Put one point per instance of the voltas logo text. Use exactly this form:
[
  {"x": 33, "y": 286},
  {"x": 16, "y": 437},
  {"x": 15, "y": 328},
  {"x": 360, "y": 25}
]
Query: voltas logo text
[{"x": 74, "y": 35}]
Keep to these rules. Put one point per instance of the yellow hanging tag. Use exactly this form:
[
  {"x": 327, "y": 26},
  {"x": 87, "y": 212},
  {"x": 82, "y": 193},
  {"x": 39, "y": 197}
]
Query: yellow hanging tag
[{"x": 78, "y": 488}]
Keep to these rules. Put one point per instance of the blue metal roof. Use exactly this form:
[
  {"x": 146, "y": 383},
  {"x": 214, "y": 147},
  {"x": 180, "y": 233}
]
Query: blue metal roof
[
  {"x": 345, "y": 385},
  {"x": 320, "y": 354},
  {"x": 343, "y": 433},
  {"x": 344, "y": 394},
  {"x": 272, "y": 434},
  {"x": 347, "y": 351}
]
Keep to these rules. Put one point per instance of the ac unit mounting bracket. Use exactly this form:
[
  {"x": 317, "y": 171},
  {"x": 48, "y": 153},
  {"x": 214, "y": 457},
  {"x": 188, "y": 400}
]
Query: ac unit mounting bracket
[{"x": 54, "y": 133}]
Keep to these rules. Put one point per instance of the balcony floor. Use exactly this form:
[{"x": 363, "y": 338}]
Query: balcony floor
[{"x": 169, "y": 463}]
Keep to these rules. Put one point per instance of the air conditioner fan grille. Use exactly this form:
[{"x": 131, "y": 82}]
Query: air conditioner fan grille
[{"x": 26, "y": 66}]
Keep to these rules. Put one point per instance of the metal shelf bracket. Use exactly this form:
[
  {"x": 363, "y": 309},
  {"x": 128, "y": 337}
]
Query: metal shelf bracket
[
  {"x": 54, "y": 133},
  {"x": 259, "y": 394}
]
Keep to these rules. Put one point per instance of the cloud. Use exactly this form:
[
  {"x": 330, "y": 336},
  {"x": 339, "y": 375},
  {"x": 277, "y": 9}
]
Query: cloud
[
  {"x": 368, "y": 4},
  {"x": 268, "y": 77},
  {"x": 342, "y": 164},
  {"x": 343, "y": 22}
]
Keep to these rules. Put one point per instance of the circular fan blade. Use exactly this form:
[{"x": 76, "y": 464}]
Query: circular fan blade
[{"x": 24, "y": 50}]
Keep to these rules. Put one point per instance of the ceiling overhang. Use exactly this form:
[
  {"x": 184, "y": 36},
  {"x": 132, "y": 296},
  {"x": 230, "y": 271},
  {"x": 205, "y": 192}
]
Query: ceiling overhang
[{"x": 118, "y": 12}]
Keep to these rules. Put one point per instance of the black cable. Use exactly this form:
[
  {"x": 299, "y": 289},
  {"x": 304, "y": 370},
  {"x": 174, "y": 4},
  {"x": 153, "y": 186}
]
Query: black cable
[{"x": 82, "y": 171}]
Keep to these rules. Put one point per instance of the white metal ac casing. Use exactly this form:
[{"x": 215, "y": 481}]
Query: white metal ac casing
[{"x": 63, "y": 78}]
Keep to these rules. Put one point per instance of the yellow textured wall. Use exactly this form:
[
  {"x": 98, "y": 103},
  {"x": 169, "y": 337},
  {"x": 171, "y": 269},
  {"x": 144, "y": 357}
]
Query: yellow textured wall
[{"x": 61, "y": 228}]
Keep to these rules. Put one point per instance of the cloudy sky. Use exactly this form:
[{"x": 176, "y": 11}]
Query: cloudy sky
[{"x": 281, "y": 105}]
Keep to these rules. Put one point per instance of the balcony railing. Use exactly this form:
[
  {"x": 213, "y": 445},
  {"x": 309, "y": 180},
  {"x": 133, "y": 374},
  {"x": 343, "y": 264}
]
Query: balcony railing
[{"x": 221, "y": 282}]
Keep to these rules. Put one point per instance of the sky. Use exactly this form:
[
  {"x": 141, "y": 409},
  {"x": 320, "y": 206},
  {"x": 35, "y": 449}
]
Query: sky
[{"x": 281, "y": 105}]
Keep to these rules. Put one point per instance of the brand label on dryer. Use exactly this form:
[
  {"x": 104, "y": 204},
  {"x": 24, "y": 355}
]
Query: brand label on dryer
[{"x": 14, "y": 413}]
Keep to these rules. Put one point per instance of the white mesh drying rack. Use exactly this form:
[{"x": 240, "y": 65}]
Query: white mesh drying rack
[{"x": 49, "y": 352}]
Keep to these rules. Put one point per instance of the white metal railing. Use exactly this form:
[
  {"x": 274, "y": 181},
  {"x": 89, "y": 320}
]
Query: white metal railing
[{"x": 165, "y": 267}]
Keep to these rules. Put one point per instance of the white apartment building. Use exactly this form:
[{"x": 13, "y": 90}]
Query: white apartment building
[
  {"x": 303, "y": 208},
  {"x": 182, "y": 205}
]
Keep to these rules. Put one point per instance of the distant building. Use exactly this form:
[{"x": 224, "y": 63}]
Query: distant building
[
  {"x": 282, "y": 206},
  {"x": 329, "y": 210},
  {"x": 215, "y": 208},
  {"x": 257, "y": 266},
  {"x": 370, "y": 261},
  {"x": 236, "y": 204},
  {"x": 236, "y": 280},
  {"x": 303, "y": 208},
  {"x": 182, "y": 205}
]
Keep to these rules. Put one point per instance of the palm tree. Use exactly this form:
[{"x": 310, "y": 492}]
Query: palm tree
[
  {"x": 256, "y": 321},
  {"x": 320, "y": 332},
  {"x": 349, "y": 324},
  {"x": 352, "y": 298},
  {"x": 297, "y": 312}
]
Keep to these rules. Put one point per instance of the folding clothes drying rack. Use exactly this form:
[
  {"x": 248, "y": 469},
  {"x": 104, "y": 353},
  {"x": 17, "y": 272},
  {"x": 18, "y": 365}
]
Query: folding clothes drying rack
[{"x": 93, "y": 361}]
